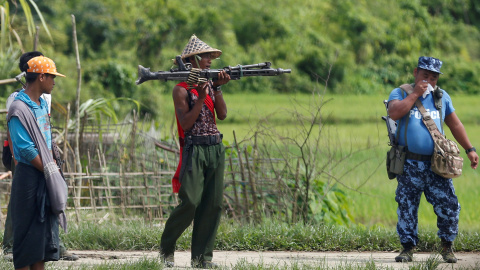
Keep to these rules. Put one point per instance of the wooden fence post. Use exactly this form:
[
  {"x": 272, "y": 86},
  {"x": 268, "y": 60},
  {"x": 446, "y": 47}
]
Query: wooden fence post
[
  {"x": 90, "y": 187},
  {"x": 242, "y": 174},
  {"x": 121, "y": 175},
  {"x": 132, "y": 140},
  {"x": 65, "y": 137},
  {"x": 234, "y": 184},
  {"x": 77, "y": 104},
  {"x": 106, "y": 180},
  {"x": 295, "y": 193},
  {"x": 147, "y": 192},
  {"x": 253, "y": 189}
]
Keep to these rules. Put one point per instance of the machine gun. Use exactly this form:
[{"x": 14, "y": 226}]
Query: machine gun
[
  {"x": 391, "y": 126},
  {"x": 186, "y": 73}
]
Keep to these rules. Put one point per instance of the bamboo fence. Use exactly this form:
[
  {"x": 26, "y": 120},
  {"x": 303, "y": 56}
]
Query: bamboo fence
[{"x": 127, "y": 175}]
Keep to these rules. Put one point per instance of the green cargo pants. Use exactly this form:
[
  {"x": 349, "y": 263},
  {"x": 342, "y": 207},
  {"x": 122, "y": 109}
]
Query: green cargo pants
[{"x": 201, "y": 196}]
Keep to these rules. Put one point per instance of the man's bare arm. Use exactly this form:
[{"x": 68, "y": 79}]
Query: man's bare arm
[
  {"x": 399, "y": 108},
  {"x": 460, "y": 134},
  {"x": 185, "y": 115},
  {"x": 37, "y": 163}
]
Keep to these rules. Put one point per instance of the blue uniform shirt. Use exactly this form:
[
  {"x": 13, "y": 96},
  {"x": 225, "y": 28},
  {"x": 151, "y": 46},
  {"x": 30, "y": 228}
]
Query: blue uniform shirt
[
  {"x": 24, "y": 149},
  {"x": 419, "y": 139}
]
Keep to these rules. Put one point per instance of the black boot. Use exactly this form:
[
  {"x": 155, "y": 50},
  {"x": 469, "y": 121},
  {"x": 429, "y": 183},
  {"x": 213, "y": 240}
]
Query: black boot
[
  {"x": 447, "y": 252},
  {"x": 167, "y": 259},
  {"x": 407, "y": 253}
]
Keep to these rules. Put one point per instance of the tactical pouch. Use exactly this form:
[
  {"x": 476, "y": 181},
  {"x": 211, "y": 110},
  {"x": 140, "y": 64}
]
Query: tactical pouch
[
  {"x": 446, "y": 160},
  {"x": 396, "y": 160}
]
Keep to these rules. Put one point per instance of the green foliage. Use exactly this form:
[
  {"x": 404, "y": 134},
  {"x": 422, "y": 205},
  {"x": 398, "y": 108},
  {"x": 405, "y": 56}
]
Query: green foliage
[
  {"x": 330, "y": 205},
  {"x": 8, "y": 12},
  {"x": 9, "y": 66},
  {"x": 114, "y": 77},
  {"x": 466, "y": 11},
  {"x": 359, "y": 47},
  {"x": 93, "y": 108},
  {"x": 265, "y": 25}
]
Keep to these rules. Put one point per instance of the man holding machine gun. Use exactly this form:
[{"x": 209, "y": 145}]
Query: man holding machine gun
[{"x": 199, "y": 178}]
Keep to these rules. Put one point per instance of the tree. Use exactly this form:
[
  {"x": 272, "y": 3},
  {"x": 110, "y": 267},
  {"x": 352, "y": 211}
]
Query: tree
[
  {"x": 11, "y": 44},
  {"x": 8, "y": 25}
]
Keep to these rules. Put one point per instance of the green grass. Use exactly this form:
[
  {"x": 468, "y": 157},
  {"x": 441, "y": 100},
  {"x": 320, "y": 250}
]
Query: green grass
[
  {"x": 354, "y": 122},
  {"x": 269, "y": 235}
]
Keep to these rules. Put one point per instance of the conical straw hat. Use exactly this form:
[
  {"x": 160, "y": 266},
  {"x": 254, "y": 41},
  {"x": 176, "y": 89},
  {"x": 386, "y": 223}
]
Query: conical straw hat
[{"x": 196, "y": 46}]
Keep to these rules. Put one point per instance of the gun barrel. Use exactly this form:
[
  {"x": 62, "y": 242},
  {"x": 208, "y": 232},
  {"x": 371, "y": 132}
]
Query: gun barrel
[
  {"x": 239, "y": 73},
  {"x": 260, "y": 65}
]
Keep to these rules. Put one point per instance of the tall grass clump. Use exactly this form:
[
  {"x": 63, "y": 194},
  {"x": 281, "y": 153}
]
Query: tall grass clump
[{"x": 111, "y": 235}]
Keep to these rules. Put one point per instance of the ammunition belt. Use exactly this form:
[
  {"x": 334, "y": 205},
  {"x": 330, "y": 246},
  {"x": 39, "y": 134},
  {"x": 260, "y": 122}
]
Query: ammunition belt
[{"x": 194, "y": 77}]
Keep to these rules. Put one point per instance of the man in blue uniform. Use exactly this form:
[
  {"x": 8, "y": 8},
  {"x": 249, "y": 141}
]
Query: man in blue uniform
[{"x": 417, "y": 176}]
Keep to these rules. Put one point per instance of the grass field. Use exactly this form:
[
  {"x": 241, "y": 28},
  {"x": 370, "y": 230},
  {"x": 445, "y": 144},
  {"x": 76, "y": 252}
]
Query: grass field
[{"x": 355, "y": 122}]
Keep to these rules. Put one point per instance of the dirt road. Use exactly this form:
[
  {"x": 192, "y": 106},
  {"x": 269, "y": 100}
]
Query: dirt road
[{"x": 282, "y": 259}]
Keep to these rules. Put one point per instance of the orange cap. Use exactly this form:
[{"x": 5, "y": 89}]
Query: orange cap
[{"x": 42, "y": 64}]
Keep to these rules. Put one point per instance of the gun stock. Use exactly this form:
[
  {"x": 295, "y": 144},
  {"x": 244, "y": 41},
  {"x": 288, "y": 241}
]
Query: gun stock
[
  {"x": 144, "y": 74},
  {"x": 391, "y": 126}
]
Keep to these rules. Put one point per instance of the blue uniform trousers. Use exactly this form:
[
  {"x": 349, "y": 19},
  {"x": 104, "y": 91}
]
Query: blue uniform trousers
[{"x": 417, "y": 178}]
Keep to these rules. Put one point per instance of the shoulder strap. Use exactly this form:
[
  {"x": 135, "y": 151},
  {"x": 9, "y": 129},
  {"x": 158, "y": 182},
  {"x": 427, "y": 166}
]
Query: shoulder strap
[
  {"x": 428, "y": 121},
  {"x": 407, "y": 88}
]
